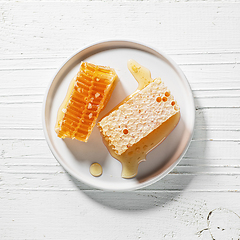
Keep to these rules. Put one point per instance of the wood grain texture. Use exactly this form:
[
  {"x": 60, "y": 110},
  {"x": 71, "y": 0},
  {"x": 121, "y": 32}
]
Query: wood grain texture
[{"x": 39, "y": 200}]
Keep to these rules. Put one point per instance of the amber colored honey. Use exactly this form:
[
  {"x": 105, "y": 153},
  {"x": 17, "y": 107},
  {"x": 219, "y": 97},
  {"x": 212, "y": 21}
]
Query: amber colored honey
[{"x": 88, "y": 93}]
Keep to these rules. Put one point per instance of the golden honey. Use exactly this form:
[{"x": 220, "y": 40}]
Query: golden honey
[{"x": 87, "y": 95}]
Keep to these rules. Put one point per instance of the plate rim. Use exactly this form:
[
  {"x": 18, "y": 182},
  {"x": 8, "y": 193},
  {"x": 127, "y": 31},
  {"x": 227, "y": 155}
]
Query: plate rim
[{"x": 140, "y": 184}]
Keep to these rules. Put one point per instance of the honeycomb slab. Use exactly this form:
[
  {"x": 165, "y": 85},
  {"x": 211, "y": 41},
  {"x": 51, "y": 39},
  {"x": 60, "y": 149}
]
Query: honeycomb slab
[
  {"x": 87, "y": 95},
  {"x": 136, "y": 118}
]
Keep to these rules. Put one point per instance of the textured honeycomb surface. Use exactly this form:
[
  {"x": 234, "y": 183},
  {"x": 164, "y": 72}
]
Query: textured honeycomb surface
[
  {"x": 92, "y": 89},
  {"x": 138, "y": 116}
]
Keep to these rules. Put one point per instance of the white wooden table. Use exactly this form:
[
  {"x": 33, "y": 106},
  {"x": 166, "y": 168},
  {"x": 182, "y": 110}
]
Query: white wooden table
[{"x": 199, "y": 199}]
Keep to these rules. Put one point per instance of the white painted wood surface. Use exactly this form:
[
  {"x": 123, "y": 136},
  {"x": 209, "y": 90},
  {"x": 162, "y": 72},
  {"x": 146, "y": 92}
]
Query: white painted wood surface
[{"x": 199, "y": 199}]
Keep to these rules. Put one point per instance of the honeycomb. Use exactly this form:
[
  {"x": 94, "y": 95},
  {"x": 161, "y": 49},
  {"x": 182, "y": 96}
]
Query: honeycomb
[
  {"x": 91, "y": 91},
  {"x": 138, "y": 116}
]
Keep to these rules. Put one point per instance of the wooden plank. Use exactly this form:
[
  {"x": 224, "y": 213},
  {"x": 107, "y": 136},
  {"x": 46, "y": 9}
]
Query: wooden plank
[
  {"x": 28, "y": 133},
  {"x": 16, "y": 114},
  {"x": 52, "y": 62},
  {"x": 50, "y": 177},
  {"x": 30, "y": 148},
  {"x": 201, "y": 77},
  {"x": 65, "y": 215},
  {"x": 216, "y": 100},
  {"x": 40, "y": 30}
]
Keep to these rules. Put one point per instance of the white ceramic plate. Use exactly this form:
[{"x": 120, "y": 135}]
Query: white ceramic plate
[{"x": 76, "y": 157}]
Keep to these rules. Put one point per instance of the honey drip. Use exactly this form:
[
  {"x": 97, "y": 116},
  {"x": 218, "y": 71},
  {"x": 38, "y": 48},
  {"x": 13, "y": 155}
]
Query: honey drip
[
  {"x": 140, "y": 73},
  {"x": 137, "y": 153}
]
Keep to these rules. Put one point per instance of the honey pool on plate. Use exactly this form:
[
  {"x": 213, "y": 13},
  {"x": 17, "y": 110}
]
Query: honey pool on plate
[{"x": 96, "y": 169}]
